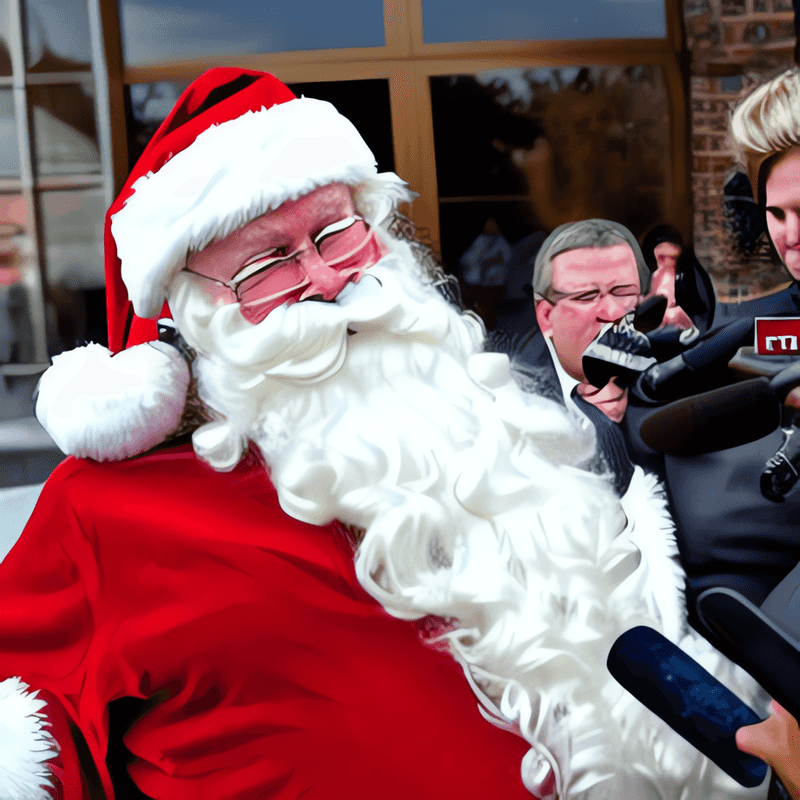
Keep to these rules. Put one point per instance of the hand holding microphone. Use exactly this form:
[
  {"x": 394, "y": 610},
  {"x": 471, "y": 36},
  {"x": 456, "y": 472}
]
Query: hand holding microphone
[
  {"x": 776, "y": 740},
  {"x": 688, "y": 698}
]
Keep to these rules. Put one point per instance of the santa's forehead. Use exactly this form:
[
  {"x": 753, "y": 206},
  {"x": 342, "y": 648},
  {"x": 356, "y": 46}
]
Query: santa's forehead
[{"x": 292, "y": 216}]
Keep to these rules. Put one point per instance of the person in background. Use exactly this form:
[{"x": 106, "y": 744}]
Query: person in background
[
  {"x": 586, "y": 274},
  {"x": 678, "y": 276},
  {"x": 765, "y": 127}
]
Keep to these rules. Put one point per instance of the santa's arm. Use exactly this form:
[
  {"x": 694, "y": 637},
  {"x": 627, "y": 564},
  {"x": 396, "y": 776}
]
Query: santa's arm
[{"x": 49, "y": 746}]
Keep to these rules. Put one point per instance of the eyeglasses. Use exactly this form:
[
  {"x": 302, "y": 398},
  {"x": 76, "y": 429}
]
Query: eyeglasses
[
  {"x": 590, "y": 296},
  {"x": 348, "y": 246}
]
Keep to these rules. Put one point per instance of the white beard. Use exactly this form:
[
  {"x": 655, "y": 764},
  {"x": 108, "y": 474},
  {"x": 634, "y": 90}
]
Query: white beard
[{"x": 475, "y": 510}]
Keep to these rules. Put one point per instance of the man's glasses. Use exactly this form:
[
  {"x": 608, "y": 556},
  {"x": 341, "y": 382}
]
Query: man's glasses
[
  {"x": 348, "y": 246},
  {"x": 590, "y": 296}
]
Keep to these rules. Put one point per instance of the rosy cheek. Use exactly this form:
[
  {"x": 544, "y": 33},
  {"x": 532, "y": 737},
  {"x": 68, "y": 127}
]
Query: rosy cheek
[
  {"x": 578, "y": 325},
  {"x": 774, "y": 230}
]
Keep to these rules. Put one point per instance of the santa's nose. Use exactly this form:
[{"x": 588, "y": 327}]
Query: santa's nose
[{"x": 323, "y": 279}]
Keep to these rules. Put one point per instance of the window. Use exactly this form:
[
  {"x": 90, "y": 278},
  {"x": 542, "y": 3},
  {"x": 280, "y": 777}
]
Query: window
[
  {"x": 55, "y": 181},
  {"x": 459, "y": 98}
]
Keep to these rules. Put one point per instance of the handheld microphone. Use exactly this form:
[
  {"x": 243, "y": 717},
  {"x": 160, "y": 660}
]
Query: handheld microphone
[
  {"x": 689, "y": 699},
  {"x": 705, "y": 423},
  {"x": 673, "y": 379},
  {"x": 622, "y": 349},
  {"x": 650, "y": 313},
  {"x": 723, "y": 418}
]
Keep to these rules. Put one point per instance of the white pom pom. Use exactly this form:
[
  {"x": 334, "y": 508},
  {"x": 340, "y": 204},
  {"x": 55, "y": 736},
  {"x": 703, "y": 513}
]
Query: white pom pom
[
  {"x": 95, "y": 405},
  {"x": 25, "y": 744}
]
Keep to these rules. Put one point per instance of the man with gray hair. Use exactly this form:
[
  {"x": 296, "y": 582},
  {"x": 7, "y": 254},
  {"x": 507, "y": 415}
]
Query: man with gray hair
[{"x": 586, "y": 275}]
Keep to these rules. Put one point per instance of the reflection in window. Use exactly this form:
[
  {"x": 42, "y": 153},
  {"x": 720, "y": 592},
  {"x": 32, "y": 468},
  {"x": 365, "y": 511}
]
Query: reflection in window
[
  {"x": 519, "y": 152},
  {"x": 5, "y": 26},
  {"x": 156, "y": 31},
  {"x": 16, "y": 330},
  {"x": 72, "y": 222},
  {"x": 64, "y": 130},
  {"x": 73, "y": 228},
  {"x": 146, "y": 107},
  {"x": 9, "y": 145},
  {"x": 460, "y": 21},
  {"x": 57, "y": 35}
]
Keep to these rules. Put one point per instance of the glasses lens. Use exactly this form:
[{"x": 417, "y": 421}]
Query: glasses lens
[
  {"x": 342, "y": 243},
  {"x": 279, "y": 280}
]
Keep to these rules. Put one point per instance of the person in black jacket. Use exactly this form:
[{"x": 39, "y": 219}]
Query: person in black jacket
[
  {"x": 678, "y": 276},
  {"x": 765, "y": 629},
  {"x": 766, "y": 130}
]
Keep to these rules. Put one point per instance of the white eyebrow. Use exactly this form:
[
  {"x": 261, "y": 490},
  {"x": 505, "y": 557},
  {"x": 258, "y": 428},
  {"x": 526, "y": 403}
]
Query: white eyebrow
[
  {"x": 258, "y": 264},
  {"x": 335, "y": 227}
]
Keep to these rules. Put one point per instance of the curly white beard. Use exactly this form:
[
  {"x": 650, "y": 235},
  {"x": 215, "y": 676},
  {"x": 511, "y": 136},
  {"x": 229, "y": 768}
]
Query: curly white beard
[{"x": 382, "y": 411}]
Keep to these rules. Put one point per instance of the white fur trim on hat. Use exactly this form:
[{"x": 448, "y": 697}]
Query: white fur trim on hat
[
  {"x": 95, "y": 405},
  {"x": 231, "y": 174},
  {"x": 25, "y": 744}
]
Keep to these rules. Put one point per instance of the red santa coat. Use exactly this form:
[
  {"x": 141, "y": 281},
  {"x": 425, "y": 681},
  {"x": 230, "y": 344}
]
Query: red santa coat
[{"x": 269, "y": 672}]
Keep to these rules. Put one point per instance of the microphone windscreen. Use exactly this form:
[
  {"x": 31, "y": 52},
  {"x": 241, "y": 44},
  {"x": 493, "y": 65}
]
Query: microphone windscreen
[
  {"x": 717, "y": 420},
  {"x": 721, "y": 345},
  {"x": 649, "y": 313},
  {"x": 688, "y": 698}
]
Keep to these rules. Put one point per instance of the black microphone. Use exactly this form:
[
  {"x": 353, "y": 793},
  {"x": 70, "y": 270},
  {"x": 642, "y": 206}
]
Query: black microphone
[
  {"x": 705, "y": 423},
  {"x": 622, "y": 349},
  {"x": 650, "y": 313},
  {"x": 782, "y": 471},
  {"x": 674, "y": 378},
  {"x": 672, "y": 685}
]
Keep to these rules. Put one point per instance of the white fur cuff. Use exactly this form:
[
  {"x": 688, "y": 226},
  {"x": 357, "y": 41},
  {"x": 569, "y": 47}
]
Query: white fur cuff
[
  {"x": 95, "y": 405},
  {"x": 25, "y": 744}
]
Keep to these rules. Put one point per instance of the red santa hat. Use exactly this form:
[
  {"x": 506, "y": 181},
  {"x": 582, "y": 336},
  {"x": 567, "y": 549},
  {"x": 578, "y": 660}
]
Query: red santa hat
[{"x": 237, "y": 144}]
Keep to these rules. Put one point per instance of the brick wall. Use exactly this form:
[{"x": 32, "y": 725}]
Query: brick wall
[{"x": 734, "y": 44}]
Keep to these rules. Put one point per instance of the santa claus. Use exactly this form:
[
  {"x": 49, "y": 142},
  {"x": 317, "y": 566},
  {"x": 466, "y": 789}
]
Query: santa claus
[{"x": 321, "y": 352}]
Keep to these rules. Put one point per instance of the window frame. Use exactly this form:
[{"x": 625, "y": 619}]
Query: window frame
[
  {"x": 407, "y": 62},
  {"x": 32, "y": 186}
]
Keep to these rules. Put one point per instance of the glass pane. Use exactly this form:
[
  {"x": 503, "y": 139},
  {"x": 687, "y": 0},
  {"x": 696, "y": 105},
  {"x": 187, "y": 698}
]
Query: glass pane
[
  {"x": 146, "y": 107},
  {"x": 72, "y": 222},
  {"x": 156, "y": 31},
  {"x": 17, "y": 281},
  {"x": 57, "y": 35},
  {"x": 73, "y": 234},
  {"x": 9, "y": 144},
  {"x": 470, "y": 20},
  {"x": 5, "y": 26},
  {"x": 519, "y": 152},
  {"x": 64, "y": 130},
  {"x": 364, "y": 103}
]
